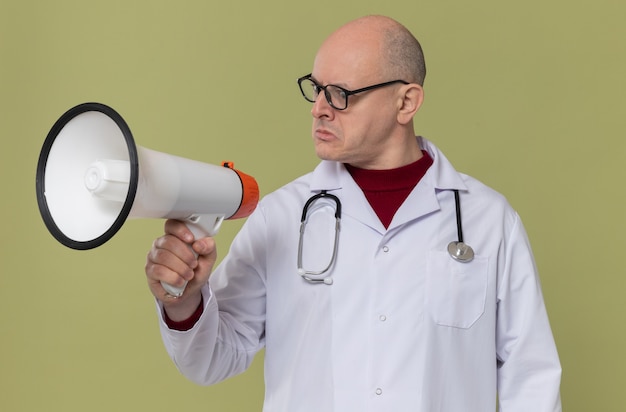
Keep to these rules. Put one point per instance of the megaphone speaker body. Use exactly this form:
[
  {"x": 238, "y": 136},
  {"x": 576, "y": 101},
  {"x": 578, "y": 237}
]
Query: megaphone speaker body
[{"x": 92, "y": 177}]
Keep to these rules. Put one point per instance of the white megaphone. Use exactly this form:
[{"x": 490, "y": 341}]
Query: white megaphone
[{"x": 91, "y": 177}]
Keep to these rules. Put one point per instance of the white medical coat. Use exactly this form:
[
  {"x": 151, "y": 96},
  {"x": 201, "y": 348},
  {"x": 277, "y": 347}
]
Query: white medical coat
[{"x": 403, "y": 327}]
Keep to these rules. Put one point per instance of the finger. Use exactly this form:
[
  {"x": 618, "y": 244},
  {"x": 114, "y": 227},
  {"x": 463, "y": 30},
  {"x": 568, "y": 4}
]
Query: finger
[
  {"x": 204, "y": 246},
  {"x": 178, "y": 229},
  {"x": 206, "y": 249},
  {"x": 170, "y": 259},
  {"x": 207, "y": 256},
  {"x": 157, "y": 273},
  {"x": 171, "y": 249},
  {"x": 165, "y": 297}
]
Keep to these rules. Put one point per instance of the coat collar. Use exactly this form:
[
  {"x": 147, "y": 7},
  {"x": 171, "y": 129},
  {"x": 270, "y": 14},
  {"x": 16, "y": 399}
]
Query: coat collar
[{"x": 329, "y": 175}]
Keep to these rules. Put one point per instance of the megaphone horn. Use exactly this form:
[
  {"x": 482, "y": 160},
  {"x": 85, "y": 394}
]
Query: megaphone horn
[{"x": 92, "y": 177}]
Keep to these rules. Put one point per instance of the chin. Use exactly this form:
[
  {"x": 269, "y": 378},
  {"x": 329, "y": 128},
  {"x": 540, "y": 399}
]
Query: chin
[
  {"x": 325, "y": 154},
  {"x": 325, "y": 151}
]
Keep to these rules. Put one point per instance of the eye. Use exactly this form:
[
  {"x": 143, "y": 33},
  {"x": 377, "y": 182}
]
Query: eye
[
  {"x": 337, "y": 94},
  {"x": 316, "y": 89}
]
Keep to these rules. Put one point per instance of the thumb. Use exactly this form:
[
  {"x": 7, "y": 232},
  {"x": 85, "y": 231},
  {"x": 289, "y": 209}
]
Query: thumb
[{"x": 206, "y": 249}]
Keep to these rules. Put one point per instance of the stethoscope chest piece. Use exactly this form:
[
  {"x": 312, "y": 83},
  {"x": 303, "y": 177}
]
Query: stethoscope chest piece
[{"x": 460, "y": 251}]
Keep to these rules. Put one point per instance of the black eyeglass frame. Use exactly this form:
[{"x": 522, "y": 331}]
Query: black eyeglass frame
[{"x": 344, "y": 90}]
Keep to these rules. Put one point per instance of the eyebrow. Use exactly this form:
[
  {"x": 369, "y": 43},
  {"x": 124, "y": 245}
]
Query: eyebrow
[{"x": 342, "y": 85}]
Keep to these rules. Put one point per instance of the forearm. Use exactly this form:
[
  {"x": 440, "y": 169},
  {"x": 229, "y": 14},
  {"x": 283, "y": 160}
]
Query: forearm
[
  {"x": 530, "y": 372},
  {"x": 183, "y": 346},
  {"x": 212, "y": 350}
]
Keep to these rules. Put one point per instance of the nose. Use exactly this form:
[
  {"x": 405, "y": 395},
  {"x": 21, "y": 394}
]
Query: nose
[{"x": 321, "y": 108}]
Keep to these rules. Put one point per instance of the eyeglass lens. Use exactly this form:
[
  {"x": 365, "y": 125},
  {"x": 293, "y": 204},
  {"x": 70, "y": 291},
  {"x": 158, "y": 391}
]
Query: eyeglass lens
[{"x": 335, "y": 96}]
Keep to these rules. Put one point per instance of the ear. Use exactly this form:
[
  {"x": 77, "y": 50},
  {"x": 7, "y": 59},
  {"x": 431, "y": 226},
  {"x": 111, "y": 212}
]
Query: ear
[{"x": 410, "y": 102}]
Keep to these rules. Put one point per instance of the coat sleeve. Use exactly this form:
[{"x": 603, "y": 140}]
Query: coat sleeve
[
  {"x": 529, "y": 370},
  {"x": 225, "y": 339}
]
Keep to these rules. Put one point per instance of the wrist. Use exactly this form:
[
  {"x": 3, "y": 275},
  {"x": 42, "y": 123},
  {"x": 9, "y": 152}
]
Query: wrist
[{"x": 183, "y": 309}]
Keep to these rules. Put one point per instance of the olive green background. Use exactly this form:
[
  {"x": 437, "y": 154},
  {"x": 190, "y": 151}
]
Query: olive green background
[{"x": 526, "y": 96}]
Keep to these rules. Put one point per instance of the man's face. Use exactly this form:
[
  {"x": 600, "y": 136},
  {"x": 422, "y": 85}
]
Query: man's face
[{"x": 360, "y": 134}]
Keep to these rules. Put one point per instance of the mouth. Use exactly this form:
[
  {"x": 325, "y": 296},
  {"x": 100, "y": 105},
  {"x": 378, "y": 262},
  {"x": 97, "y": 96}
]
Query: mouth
[{"x": 324, "y": 134}]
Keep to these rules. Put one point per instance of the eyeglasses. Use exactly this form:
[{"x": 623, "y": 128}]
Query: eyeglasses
[{"x": 336, "y": 96}]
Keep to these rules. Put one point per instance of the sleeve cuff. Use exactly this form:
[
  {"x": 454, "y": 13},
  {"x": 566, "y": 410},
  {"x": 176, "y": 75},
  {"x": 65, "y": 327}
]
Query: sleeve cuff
[{"x": 188, "y": 323}]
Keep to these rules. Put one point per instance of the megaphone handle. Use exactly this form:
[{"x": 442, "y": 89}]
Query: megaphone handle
[{"x": 199, "y": 231}]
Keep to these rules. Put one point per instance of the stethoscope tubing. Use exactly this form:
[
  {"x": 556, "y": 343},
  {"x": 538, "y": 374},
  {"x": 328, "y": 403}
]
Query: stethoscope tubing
[
  {"x": 316, "y": 276},
  {"x": 458, "y": 250},
  {"x": 459, "y": 225}
]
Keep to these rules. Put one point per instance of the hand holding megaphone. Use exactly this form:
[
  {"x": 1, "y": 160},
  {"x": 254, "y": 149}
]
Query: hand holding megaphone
[{"x": 91, "y": 177}]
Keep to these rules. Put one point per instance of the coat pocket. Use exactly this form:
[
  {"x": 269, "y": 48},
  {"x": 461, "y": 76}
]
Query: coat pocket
[{"x": 456, "y": 292}]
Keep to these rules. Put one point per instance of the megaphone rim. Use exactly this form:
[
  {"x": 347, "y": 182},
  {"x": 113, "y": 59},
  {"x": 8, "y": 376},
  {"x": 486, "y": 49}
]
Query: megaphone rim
[{"x": 41, "y": 169}]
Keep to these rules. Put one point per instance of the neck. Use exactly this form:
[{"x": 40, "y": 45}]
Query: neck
[{"x": 400, "y": 155}]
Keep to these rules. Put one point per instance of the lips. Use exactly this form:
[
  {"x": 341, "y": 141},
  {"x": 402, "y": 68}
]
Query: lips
[{"x": 323, "y": 133}]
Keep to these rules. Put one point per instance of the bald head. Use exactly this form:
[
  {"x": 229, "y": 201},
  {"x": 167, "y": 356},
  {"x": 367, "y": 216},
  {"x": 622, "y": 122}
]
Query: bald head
[{"x": 384, "y": 44}]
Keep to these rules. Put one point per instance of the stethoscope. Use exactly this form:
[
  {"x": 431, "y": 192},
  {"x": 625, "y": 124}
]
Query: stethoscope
[
  {"x": 458, "y": 250},
  {"x": 311, "y": 275}
]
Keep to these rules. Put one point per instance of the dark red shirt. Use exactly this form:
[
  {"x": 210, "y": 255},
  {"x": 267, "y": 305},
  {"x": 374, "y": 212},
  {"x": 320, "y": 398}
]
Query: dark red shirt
[{"x": 386, "y": 190}]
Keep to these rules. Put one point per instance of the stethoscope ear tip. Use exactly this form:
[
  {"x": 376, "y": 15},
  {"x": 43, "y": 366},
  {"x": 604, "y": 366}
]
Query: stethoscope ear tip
[{"x": 460, "y": 251}]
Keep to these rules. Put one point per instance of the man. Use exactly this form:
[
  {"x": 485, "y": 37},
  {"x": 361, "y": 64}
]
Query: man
[{"x": 391, "y": 321}]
